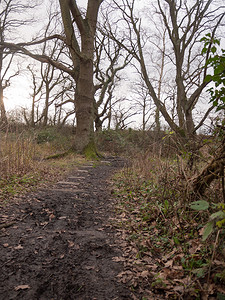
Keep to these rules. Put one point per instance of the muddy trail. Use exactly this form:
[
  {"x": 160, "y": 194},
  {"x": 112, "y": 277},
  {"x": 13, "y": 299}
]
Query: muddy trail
[{"x": 58, "y": 242}]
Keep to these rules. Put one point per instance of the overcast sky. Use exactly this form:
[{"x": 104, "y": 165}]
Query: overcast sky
[{"x": 19, "y": 92}]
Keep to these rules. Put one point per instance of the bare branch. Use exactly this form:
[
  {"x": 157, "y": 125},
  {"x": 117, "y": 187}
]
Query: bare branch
[{"x": 42, "y": 58}]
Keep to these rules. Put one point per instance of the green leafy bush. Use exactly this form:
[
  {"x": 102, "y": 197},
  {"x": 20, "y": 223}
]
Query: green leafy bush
[
  {"x": 217, "y": 62},
  {"x": 46, "y": 135},
  {"x": 216, "y": 219}
]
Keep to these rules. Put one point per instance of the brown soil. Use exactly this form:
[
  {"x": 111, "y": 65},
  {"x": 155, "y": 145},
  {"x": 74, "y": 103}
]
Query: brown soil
[{"x": 58, "y": 243}]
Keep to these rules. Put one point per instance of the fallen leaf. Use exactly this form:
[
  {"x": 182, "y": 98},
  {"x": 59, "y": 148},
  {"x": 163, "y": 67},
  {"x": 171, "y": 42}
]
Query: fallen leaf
[
  {"x": 70, "y": 244},
  {"x": 89, "y": 268},
  {"x": 144, "y": 274},
  {"x": 51, "y": 217},
  {"x": 118, "y": 259},
  {"x": 209, "y": 287},
  {"x": 164, "y": 273},
  {"x": 100, "y": 229},
  {"x": 218, "y": 263},
  {"x": 169, "y": 263},
  {"x": 43, "y": 223},
  {"x": 179, "y": 288},
  {"x": 195, "y": 246},
  {"x": 152, "y": 267},
  {"x": 201, "y": 231},
  {"x": 177, "y": 267},
  {"x": 22, "y": 287},
  {"x": 18, "y": 247}
]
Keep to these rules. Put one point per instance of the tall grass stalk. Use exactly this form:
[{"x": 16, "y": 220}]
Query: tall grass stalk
[{"x": 17, "y": 155}]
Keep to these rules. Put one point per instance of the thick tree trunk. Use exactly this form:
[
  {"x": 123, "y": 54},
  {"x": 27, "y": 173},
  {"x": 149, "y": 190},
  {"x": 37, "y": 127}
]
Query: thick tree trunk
[
  {"x": 84, "y": 99},
  {"x": 189, "y": 124},
  {"x": 82, "y": 57}
]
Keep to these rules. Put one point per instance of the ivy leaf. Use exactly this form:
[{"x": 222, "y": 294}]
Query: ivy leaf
[
  {"x": 215, "y": 103},
  {"x": 213, "y": 49},
  {"x": 204, "y": 50},
  {"x": 208, "y": 230},
  {"x": 220, "y": 223},
  {"x": 200, "y": 205},
  {"x": 217, "y": 215},
  {"x": 208, "y": 78}
]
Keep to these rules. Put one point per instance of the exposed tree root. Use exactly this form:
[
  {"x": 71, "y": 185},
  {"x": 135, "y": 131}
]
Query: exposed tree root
[
  {"x": 90, "y": 152},
  {"x": 59, "y": 155}
]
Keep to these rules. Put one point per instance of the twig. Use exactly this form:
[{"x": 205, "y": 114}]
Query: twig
[
  {"x": 6, "y": 263},
  {"x": 222, "y": 181},
  {"x": 213, "y": 254},
  {"x": 6, "y": 225}
]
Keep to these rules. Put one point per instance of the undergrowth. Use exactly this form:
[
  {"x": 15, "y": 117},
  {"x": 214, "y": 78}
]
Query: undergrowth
[
  {"x": 164, "y": 224},
  {"x": 22, "y": 160}
]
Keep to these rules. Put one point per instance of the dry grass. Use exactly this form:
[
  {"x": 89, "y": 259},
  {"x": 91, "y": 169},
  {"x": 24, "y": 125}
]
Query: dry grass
[
  {"x": 23, "y": 165},
  {"x": 17, "y": 156}
]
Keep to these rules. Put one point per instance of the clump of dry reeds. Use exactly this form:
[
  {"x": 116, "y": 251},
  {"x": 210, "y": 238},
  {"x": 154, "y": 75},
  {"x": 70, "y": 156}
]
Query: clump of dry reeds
[{"x": 17, "y": 155}]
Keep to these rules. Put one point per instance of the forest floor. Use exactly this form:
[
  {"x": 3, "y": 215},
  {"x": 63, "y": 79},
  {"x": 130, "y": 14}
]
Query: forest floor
[{"x": 59, "y": 243}]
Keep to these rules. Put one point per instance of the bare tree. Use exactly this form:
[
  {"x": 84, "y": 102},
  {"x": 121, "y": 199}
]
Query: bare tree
[
  {"x": 4, "y": 83},
  {"x": 33, "y": 117},
  {"x": 122, "y": 114},
  {"x": 185, "y": 24},
  {"x": 64, "y": 109},
  {"x": 142, "y": 102},
  {"x": 47, "y": 80},
  {"x": 82, "y": 57},
  {"x": 10, "y": 20},
  {"x": 109, "y": 61},
  {"x": 80, "y": 29}
]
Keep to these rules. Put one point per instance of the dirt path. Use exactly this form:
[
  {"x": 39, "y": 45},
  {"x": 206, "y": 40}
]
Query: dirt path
[{"x": 61, "y": 245}]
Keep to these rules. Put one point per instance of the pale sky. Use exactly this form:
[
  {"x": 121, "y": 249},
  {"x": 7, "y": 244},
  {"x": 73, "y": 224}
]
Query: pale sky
[{"x": 18, "y": 94}]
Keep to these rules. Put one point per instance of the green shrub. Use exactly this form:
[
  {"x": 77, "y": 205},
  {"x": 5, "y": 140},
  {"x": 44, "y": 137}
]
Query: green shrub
[{"x": 46, "y": 135}]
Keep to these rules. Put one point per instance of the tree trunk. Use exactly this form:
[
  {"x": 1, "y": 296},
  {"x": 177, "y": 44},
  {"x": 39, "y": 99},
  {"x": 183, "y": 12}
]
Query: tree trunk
[
  {"x": 82, "y": 57},
  {"x": 110, "y": 115},
  {"x": 189, "y": 124},
  {"x": 157, "y": 121},
  {"x": 32, "y": 117},
  {"x": 84, "y": 99},
  {"x": 3, "y": 117},
  {"x": 45, "y": 111},
  {"x": 98, "y": 124}
]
